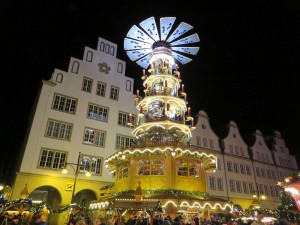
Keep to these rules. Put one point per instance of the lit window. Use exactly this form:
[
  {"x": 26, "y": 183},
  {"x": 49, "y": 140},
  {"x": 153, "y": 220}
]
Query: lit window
[
  {"x": 124, "y": 119},
  {"x": 92, "y": 164},
  {"x": 97, "y": 112},
  {"x": 186, "y": 168},
  {"x": 94, "y": 137},
  {"x": 151, "y": 167},
  {"x": 123, "y": 171}
]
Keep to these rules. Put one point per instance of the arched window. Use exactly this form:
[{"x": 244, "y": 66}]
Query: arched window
[
  {"x": 102, "y": 46},
  {"x": 59, "y": 78},
  {"x": 112, "y": 50},
  {"x": 89, "y": 56},
  {"x": 107, "y": 47},
  {"x": 75, "y": 67},
  {"x": 128, "y": 85},
  {"x": 120, "y": 68}
]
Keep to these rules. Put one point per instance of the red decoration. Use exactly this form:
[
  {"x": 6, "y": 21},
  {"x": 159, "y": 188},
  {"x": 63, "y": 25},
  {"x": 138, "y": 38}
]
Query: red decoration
[
  {"x": 178, "y": 75},
  {"x": 137, "y": 94},
  {"x": 166, "y": 83},
  {"x": 182, "y": 87},
  {"x": 176, "y": 67},
  {"x": 189, "y": 112},
  {"x": 185, "y": 97},
  {"x": 130, "y": 118},
  {"x": 192, "y": 122},
  {"x": 144, "y": 73},
  {"x": 168, "y": 106}
]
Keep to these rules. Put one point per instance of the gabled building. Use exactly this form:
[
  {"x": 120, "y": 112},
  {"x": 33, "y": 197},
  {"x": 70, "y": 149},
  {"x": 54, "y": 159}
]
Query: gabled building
[{"x": 80, "y": 118}]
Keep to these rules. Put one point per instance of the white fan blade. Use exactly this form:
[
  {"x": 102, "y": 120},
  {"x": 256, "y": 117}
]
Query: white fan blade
[
  {"x": 182, "y": 59},
  {"x": 166, "y": 24},
  {"x": 137, "y": 54},
  {"x": 180, "y": 30},
  {"x": 130, "y": 44},
  {"x": 187, "y": 50},
  {"x": 137, "y": 34},
  {"x": 144, "y": 62},
  {"x": 187, "y": 40},
  {"x": 149, "y": 26}
]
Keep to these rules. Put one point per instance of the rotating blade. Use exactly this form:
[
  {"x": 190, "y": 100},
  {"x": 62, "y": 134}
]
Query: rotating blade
[
  {"x": 187, "y": 40},
  {"x": 166, "y": 24},
  {"x": 187, "y": 50},
  {"x": 137, "y": 54},
  {"x": 130, "y": 44},
  {"x": 149, "y": 26},
  {"x": 180, "y": 58},
  {"x": 144, "y": 62},
  {"x": 137, "y": 34},
  {"x": 180, "y": 30}
]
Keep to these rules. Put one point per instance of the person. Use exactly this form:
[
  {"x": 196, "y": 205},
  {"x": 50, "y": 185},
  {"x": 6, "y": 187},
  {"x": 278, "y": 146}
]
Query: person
[
  {"x": 36, "y": 220},
  {"x": 15, "y": 220},
  {"x": 4, "y": 219},
  {"x": 284, "y": 222}
]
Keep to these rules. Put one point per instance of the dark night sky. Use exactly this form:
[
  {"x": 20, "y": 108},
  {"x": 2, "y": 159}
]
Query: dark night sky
[{"x": 247, "y": 69}]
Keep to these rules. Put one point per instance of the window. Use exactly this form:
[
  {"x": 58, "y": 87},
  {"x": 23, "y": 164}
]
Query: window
[
  {"x": 64, "y": 103},
  {"x": 212, "y": 183},
  {"x": 263, "y": 172},
  {"x": 205, "y": 142},
  {"x": 236, "y": 167},
  {"x": 267, "y": 158},
  {"x": 232, "y": 185},
  {"x": 94, "y": 137},
  {"x": 261, "y": 188},
  {"x": 128, "y": 85},
  {"x": 87, "y": 84},
  {"x": 242, "y": 151},
  {"x": 123, "y": 171},
  {"x": 114, "y": 93},
  {"x": 101, "y": 88},
  {"x": 238, "y": 186},
  {"x": 120, "y": 68},
  {"x": 91, "y": 162},
  {"x": 123, "y": 141},
  {"x": 219, "y": 164},
  {"x": 59, "y": 130},
  {"x": 220, "y": 184},
  {"x": 231, "y": 149},
  {"x": 257, "y": 171},
  {"x": 236, "y": 150},
  {"x": 52, "y": 159},
  {"x": 266, "y": 189},
  {"x": 269, "y": 174},
  {"x": 262, "y": 157},
  {"x": 273, "y": 175},
  {"x": 124, "y": 119},
  {"x": 273, "y": 191},
  {"x": 258, "y": 155},
  {"x": 245, "y": 187},
  {"x": 151, "y": 167},
  {"x": 188, "y": 169},
  {"x": 97, "y": 112},
  {"x": 211, "y": 143},
  {"x": 198, "y": 139},
  {"x": 229, "y": 166},
  {"x": 251, "y": 188},
  {"x": 248, "y": 170},
  {"x": 242, "y": 168}
]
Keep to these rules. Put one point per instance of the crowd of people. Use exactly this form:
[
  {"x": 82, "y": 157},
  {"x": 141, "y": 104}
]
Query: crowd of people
[{"x": 7, "y": 219}]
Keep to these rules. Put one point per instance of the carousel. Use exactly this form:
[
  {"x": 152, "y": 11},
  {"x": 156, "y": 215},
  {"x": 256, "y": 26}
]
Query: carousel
[{"x": 160, "y": 172}]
